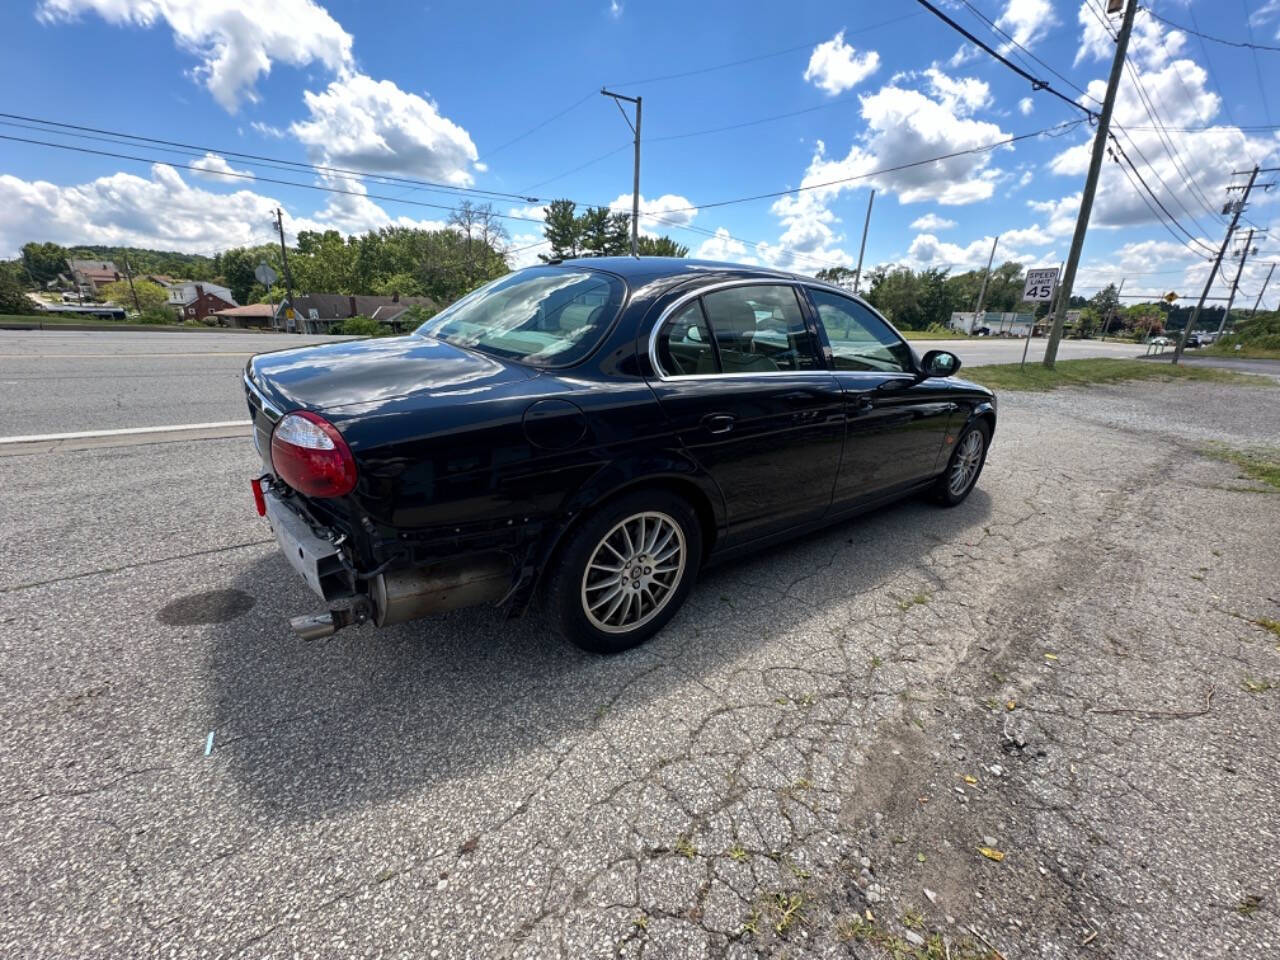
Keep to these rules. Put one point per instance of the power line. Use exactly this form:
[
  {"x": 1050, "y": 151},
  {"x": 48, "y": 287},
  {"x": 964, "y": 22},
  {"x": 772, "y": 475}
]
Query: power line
[
  {"x": 1174, "y": 220},
  {"x": 1036, "y": 83},
  {"x": 582, "y": 166},
  {"x": 1205, "y": 36},
  {"x": 538, "y": 126},
  {"x": 131, "y": 139},
  {"x": 1208, "y": 66},
  {"x": 996, "y": 27},
  {"x": 1062, "y": 127},
  {"x": 763, "y": 56},
  {"x": 250, "y": 176}
]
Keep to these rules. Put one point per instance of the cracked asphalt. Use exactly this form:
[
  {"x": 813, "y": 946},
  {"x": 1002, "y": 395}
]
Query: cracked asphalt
[{"x": 1071, "y": 669}]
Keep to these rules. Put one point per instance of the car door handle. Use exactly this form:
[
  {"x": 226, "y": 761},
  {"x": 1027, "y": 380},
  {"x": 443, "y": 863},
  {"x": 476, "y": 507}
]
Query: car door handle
[
  {"x": 718, "y": 422},
  {"x": 863, "y": 402}
]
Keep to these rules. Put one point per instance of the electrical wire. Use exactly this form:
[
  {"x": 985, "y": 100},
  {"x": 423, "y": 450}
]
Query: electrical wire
[
  {"x": 996, "y": 28},
  {"x": 1206, "y": 36},
  {"x": 1063, "y": 127},
  {"x": 1148, "y": 192},
  {"x": 1036, "y": 83}
]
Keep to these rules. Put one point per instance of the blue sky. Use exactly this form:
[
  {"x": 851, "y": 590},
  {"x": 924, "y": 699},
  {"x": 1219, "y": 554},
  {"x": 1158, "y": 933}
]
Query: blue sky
[{"x": 439, "y": 91}]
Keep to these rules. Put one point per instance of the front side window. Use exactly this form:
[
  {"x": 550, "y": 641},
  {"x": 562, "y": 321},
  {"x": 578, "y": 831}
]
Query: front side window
[
  {"x": 760, "y": 329},
  {"x": 542, "y": 315},
  {"x": 859, "y": 339}
]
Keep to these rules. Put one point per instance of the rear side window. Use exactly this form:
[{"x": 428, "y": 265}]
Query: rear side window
[
  {"x": 684, "y": 344},
  {"x": 760, "y": 329},
  {"x": 859, "y": 339}
]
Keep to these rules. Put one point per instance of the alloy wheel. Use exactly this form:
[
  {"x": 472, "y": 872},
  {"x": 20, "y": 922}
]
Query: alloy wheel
[
  {"x": 968, "y": 458},
  {"x": 633, "y": 572}
]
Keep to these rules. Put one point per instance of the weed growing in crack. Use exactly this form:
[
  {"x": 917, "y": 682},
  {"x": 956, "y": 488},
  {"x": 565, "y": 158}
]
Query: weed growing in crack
[
  {"x": 1257, "y": 686},
  {"x": 912, "y": 919},
  {"x": 641, "y": 922},
  {"x": 918, "y": 599},
  {"x": 738, "y": 853},
  {"x": 685, "y": 847},
  {"x": 876, "y": 662},
  {"x": 752, "y": 924},
  {"x": 1248, "y": 905},
  {"x": 790, "y": 907}
]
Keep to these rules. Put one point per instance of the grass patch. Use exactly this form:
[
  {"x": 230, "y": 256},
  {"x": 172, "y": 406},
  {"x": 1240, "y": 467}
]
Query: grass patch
[
  {"x": 1258, "y": 465},
  {"x": 1244, "y": 353},
  {"x": 1075, "y": 373},
  {"x": 934, "y": 335}
]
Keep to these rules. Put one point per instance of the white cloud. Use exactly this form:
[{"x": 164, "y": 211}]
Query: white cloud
[
  {"x": 214, "y": 166},
  {"x": 236, "y": 43},
  {"x": 1025, "y": 106},
  {"x": 961, "y": 95},
  {"x": 809, "y": 239},
  {"x": 1026, "y": 21},
  {"x": 532, "y": 213},
  {"x": 1032, "y": 236},
  {"x": 615, "y": 9},
  {"x": 725, "y": 248},
  {"x": 670, "y": 207},
  {"x": 906, "y": 125},
  {"x": 164, "y": 212},
  {"x": 834, "y": 66},
  {"x": 374, "y": 125},
  {"x": 267, "y": 130},
  {"x": 931, "y": 221},
  {"x": 926, "y": 250}
]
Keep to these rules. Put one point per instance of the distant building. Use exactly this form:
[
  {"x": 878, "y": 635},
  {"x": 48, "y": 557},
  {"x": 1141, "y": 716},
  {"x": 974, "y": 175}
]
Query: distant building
[
  {"x": 995, "y": 324},
  {"x": 197, "y": 301},
  {"x": 321, "y": 312},
  {"x": 91, "y": 275},
  {"x": 256, "y": 315}
]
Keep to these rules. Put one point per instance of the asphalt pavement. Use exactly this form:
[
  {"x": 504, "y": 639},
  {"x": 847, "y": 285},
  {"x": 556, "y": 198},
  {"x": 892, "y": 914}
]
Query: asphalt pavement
[
  {"x": 1073, "y": 665},
  {"x": 63, "y": 382}
]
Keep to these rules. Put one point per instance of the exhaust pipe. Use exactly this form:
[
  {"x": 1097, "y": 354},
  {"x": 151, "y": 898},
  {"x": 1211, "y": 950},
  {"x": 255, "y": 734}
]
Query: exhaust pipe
[
  {"x": 410, "y": 594},
  {"x": 317, "y": 626}
]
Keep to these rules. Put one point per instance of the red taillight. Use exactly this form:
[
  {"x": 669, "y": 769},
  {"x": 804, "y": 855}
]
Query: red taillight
[{"x": 310, "y": 455}]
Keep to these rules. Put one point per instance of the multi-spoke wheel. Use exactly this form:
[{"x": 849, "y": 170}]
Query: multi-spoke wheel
[
  {"x": 633, "y": 571},
  {"x": 624, "y": 572},
  {"x": 966, "y": 463}
]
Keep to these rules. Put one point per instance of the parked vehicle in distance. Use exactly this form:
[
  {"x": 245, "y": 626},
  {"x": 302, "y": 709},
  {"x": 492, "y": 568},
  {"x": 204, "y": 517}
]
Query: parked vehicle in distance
[
  {"x": 1160, "y": 341},
  {"x": 594, "y": 433},
  {"x": 1193, "y": 340}
]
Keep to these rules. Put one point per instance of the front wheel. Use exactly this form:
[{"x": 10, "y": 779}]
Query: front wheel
[
  {"x": 966, "y": 463},
  {"x": 626, "y": 571}
]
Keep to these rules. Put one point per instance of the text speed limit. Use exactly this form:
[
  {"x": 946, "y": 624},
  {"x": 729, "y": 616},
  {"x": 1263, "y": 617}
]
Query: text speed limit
[{"x": 1040, "y": 284}]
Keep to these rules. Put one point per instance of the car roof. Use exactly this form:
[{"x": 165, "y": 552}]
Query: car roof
[{"x": 638, "y": 269}]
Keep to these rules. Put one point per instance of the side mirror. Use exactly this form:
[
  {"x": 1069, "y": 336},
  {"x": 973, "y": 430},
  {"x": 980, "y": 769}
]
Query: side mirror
[{"x": 940, "y": 363}]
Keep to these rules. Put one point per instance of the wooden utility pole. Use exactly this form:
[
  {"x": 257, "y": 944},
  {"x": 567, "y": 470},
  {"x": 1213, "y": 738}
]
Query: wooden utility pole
[
  {"x": 1217, "y": 262},
  {"x": 1235, "y": 284},
  {"x": 866, "y": 224},
  {"x": 1111, "y": 310},
  {"x": 1265, "y": 283},
  {"x": 128, "y": 272},
  {"x": 284, "y": 257},
  {"x": 635, "y": 183},
  {"x": 1090, "y": 184},
  {"x": 982, "y": 290}
]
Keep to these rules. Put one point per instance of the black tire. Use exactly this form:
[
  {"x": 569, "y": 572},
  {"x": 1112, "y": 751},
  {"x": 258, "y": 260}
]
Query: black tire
[
  {"x": 945, "y": 489},
  {"x": 571, "y": 583}
]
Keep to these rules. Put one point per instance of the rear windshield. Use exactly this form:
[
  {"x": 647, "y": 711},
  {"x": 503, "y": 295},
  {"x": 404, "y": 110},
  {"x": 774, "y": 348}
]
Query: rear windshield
[{"x": 550, "y": 316}]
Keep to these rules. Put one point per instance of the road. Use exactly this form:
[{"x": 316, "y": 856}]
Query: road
[
  {"x": 182, "y": 777},
  {"x": 62, "y": 382}
]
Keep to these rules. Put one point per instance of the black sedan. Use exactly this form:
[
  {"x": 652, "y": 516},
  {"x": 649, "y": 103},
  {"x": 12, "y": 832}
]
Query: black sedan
[{"x": 593, "y": 433}]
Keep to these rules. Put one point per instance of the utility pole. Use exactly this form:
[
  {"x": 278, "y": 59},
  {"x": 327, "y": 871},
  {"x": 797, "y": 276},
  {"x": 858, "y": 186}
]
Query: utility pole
[
  {"x": 982, "y": 291},
  {"x": 1265, "y": 284},
  {"x": 1217, "y": 261},
  {"x": 284, "y": 257},
  {"x": 1090, "y": 184},
  {"x": 1235, "y": 284},
  {"x": 857, "y": 274},
  {"x": 129, "y": 275},
  {"x": 635, "y": 185}
]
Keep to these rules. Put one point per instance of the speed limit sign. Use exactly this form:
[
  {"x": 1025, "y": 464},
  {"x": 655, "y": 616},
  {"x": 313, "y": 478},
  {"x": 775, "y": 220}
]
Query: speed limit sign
[{"x": 1040, "y": 284}]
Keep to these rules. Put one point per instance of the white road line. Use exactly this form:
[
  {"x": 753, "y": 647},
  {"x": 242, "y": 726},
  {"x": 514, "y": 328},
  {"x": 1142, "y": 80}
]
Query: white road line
[{"x": 125, "y": 432}]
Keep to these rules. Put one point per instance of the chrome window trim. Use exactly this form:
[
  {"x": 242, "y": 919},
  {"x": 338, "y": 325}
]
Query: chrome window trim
[
  {"x": 712, "y": 288},
  {"x": 850, "y": 295}
]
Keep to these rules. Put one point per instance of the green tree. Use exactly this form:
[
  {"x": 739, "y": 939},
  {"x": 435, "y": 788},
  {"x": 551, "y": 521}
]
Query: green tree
[
  {"x": 405, "y": 284},
  {"x": 661, "y": 247},
  {"x": 561, "y": 228},
  {"x": 151, "y": 296},
  {"x": 236, "y": 267},
  {"x": 44, "y": 261},
  {"x": 13, "y": 296},
  {"x": 840, "y": 276}
]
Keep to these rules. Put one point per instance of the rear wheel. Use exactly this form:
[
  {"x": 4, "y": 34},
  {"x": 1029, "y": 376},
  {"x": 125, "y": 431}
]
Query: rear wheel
[
  {"x": 967, "y": 460},
  {"x": 626, "y": 571}
]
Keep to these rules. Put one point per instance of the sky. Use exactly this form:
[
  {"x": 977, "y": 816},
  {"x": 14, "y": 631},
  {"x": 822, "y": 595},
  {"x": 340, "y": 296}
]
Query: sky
[{"x": 795, "y": 112}]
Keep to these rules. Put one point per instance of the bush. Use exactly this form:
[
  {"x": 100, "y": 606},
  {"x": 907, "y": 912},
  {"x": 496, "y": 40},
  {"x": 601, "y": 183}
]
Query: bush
[
  {"x": 155, "y": 317},
  {"x": 364, "y": 327}
]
